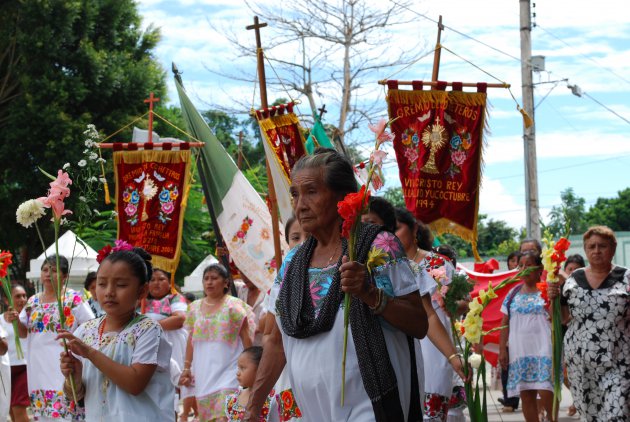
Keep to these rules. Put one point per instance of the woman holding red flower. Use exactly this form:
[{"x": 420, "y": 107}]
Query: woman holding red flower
[
  {"x": 39, "y": 320},
  {"x": 307, "y": 333},
  {"x": 596, "y": 301}
]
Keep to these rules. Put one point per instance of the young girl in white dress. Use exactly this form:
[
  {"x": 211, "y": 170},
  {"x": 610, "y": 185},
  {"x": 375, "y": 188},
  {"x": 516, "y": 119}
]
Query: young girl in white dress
[
  {"x": 528, "y": 335},
  {"x": 120, "y": 362},
  {"x": 235, "y": 403}
]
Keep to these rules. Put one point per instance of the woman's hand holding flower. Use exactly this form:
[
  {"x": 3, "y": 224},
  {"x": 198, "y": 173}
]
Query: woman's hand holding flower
[
  {"x": 553, "y": 290},
  {"x": 76, "y": 346},
  {"x": 353, "y": 280}
]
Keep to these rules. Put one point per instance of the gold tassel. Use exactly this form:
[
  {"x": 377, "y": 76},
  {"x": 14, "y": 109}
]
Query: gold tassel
[
  {"x": 108, "y": 200},
  {"x": 527, "y": 120}
]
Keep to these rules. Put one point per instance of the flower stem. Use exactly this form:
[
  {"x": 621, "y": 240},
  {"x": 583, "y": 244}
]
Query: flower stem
[
  {"x": 346, "y": 319},
  {"x": 59, "y": 293}
]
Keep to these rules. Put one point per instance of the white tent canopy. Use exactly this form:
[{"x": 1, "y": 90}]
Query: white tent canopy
[
  {"x": 82, "y": 259},
  {"x": 194, "y": 282}
]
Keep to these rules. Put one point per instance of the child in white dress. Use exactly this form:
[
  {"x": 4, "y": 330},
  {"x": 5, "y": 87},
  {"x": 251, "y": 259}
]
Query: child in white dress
[
  {"x": 235, "y": 403},
  {"x": 120, "y": 362}
]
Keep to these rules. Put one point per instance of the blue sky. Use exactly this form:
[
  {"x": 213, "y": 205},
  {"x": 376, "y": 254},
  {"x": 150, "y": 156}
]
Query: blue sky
[{"x": 580, "y": 144}]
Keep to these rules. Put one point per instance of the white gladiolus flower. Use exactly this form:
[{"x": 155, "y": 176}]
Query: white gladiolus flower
[
  {"x": 475, "y": 360},
  {"x": 29, "y": 212},
  {"x": 82, "y": 163}
]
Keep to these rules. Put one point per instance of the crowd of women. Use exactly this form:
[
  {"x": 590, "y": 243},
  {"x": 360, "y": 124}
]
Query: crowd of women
[{"x": 136, "y": 349}]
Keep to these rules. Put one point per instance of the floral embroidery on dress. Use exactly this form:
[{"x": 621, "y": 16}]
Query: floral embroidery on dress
[
  {"x": 320, "y": 281},
  {"x": 389, "y": 243},
  {"x": 529, "y": 369},
  {"x": 164, "y": 306},
  {"x": 212, "y": 406},
  {"x": 435, "y": 407},
  {"x": 235, "y": 412},
  {"x": 287, "y": 406},
  {"x": 458, "y": 398},
  {"x": 54, "y": 404},
  {"x": 43, "y": 317},
  {"x": 527, "y": 303},
  {"x": 140, "y": 325},
  {"x": 222, "y": 326}
]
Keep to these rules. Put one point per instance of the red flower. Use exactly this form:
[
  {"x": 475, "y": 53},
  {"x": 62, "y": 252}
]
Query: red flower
[
  {"x": 351, "y": 208},
  {"x": 542, "y": 287},
  {"x": 5, "y": 261},
  {"x": 103, "y": 253},
  {"x": 67, "y": 311},
  {"x": 562, "y": 245}
]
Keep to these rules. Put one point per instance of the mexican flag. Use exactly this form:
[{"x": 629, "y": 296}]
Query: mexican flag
[{"x": 242, "y": 216}]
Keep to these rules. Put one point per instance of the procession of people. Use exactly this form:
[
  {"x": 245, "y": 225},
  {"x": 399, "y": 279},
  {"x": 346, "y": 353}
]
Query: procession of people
[{"x": 134, "y": 350}]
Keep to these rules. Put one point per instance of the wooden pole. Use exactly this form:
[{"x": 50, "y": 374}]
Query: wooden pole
[
  {"x": 265, "y": 104},
  {"x": 239, "y": 160},
  {"x": 435, "y": 83},
  {"x": 151, "y": 100},
  {"x": 532, "y": 212},
  {"x": 437, "y": 53}
]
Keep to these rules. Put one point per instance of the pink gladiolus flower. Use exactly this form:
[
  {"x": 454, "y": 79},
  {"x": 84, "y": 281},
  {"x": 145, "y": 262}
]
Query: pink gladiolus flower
[
  {"x": 379, "y": 131},
  {"x": 56, "y": 194},
  {"x": 377, "y": 157}
]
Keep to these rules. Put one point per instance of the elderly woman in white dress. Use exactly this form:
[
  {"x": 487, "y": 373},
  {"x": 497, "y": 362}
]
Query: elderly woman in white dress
[{"x": 385, "y": 311}]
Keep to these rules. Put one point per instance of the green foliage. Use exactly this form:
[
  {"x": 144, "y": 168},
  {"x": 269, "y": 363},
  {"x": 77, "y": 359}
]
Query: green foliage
[
  {"x": 79, "y": 62},
  {"x": 570, "y": 214},
  {"x": 612, "y": 212},
  {"x": 494, "y": 237},
  {"x": 394, "y": 196}
]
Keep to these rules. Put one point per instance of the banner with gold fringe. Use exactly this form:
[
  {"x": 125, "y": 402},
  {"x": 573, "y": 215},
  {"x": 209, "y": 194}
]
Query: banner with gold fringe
[
  {"x": 151, "y": 197},
  {"x": 284, "y": 145},
  {"x": 439, "y": 144}
]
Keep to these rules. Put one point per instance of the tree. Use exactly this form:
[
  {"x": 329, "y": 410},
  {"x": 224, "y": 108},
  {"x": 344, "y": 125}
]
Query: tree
[
  {"x": 494, "y": 238},
  {"x": 569, "y": 214},
  {"x": 75, "y": 62},
  {"x": 612, "y": 212},
  {"x": 340, "y": 47},
  {"x": 395, "y": 196}
]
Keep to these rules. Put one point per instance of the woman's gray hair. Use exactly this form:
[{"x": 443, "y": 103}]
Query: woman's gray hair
[{"x": 338, "y": 170}]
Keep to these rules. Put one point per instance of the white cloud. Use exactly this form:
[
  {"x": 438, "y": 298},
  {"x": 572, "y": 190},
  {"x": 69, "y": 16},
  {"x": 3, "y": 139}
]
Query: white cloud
[{"x": 500, "y": 204}]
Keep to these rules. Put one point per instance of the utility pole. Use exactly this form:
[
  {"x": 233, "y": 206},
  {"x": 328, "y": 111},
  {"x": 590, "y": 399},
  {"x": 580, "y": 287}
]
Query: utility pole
[{"x": 529, "y": 133}]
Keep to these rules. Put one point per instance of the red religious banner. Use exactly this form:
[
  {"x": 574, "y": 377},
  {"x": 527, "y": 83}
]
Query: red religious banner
[
  {"x": 438, "y": 147},
  {"x": 151, "y": 196},
  {"x": 281, "y": 128}
]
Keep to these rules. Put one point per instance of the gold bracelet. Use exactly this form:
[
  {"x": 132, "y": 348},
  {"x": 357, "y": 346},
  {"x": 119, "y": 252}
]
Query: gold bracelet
[{"x": 454, "y": 355}]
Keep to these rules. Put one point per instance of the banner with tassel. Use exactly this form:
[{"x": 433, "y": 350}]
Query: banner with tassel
[
  {"x": 151, "y": 197},
  {"x": 438, "y": 145}
]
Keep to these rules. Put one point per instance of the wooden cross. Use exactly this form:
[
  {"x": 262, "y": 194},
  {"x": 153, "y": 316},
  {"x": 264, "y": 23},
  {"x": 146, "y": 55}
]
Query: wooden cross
[
  {"x": 322, "y": 111},
  {"x": 261, "y": 62},
  {"x": 151, "y": 100}
]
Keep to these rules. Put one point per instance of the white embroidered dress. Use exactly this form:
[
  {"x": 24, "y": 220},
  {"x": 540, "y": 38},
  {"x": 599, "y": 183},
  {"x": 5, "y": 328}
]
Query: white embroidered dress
[
  {"x": 140, "y": 342},
  {"x": 45, "y": 381},
  {"x": 314, "y": 363}
]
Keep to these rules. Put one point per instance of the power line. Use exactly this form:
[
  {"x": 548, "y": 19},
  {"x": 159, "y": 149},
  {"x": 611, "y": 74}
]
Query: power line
[
  {"x": 607, "y": 108},
  {"x": 584, "y": 55}
]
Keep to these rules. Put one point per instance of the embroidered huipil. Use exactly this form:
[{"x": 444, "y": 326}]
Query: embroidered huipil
[
  {"x": 159, "y": 309},
  {"x": 45, "y": 380},
  {"x": 216, "y": 346},
  {"x": 529, "y": 343},
  {"x": 438, "y": 372},
  {"x": 235, "y": 412}
]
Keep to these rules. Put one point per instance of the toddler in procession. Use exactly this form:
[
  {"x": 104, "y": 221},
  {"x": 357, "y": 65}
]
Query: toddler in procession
[
  {"x": 236, "y": 403},
  {"x": 120, "y": 361}
]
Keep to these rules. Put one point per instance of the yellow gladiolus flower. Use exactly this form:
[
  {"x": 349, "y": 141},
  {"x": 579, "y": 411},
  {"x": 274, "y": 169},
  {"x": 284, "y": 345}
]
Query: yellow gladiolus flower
[
  {"x": 472, "y": 328},
  {"x": 475, "y": 307}
]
